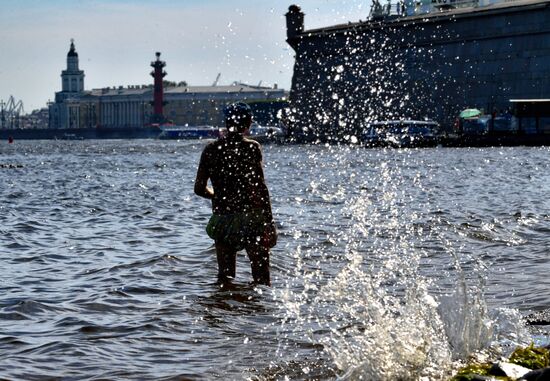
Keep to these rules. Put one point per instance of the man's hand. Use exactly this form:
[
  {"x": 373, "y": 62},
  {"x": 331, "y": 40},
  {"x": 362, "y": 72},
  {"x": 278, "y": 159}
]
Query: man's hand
[{"x": 269, "y": 238}]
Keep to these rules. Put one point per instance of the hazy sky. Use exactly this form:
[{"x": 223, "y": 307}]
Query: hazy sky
[{"x": 244, "y": 40}]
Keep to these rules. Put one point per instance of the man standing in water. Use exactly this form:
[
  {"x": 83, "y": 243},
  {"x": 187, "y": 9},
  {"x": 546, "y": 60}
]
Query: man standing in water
[{"x": 242, "y": 217}]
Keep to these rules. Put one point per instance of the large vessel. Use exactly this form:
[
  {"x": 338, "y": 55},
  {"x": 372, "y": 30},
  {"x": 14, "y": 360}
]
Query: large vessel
[
  {"x": 189, "y": 132},
  {"x": 427, "y": 59}
]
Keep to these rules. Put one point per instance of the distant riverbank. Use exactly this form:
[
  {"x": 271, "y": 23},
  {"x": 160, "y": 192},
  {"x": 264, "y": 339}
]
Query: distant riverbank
[{"x": 80, "y": 133}]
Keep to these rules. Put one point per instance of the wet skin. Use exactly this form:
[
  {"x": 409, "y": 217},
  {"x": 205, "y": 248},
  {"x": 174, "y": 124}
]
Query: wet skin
[{"x": 233, "y": 164}]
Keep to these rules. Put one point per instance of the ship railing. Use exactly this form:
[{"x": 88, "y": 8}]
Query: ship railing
[
  {"x": 387, "y": 10},
  {"x": 453, "y": 4}
]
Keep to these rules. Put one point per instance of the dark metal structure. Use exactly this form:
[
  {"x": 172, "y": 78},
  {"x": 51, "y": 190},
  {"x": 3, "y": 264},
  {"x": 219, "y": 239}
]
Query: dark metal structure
[
  {"x": 430, "y": 65},
  {"x": 533, "y": 114},
  {"x": 531, "y": 108}
]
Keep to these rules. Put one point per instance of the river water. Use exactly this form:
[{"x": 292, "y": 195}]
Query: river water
[{"x": 391, "y": 264}]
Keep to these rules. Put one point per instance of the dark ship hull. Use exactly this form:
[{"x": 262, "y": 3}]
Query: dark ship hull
[{"x": 426, "y": 66}]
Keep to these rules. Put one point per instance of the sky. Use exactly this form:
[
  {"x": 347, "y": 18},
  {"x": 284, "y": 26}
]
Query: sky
[{"x": 117, "y": 40}]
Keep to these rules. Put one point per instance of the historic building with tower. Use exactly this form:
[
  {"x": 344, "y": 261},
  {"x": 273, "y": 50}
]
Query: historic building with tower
[
  {"x": 65, "y": 112},
  {"x": 155, "y": 104}
]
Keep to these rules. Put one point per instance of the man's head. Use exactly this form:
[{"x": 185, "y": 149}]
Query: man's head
[{"x": 238, "y": 117}]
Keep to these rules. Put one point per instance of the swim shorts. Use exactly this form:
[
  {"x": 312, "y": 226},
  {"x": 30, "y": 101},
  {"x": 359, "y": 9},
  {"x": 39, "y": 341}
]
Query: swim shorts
[{"x": 238, "y": 229}]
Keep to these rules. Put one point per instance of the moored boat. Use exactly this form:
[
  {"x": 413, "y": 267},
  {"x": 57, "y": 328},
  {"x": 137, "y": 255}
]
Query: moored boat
[
  {"x": 265, "y": 134},
  {"x": 401, "y": 133},
  {"x": 188, "y": 132}
]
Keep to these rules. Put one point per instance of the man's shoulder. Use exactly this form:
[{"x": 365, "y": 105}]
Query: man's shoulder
[
  {"x": 209, "y": 150},
  {"x": 252, "y": 143},
  {"x": 213, "y": 145}
]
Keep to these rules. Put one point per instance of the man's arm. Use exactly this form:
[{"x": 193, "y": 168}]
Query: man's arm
[
  {"x": 201, "y": 181},
  {"x": 269, "y": 237},
  {"x": 261, "y": 192},
  {"x": 264, "y": 195}
]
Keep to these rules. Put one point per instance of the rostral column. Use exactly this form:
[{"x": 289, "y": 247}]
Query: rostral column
[{"x": 158, "y": 94}]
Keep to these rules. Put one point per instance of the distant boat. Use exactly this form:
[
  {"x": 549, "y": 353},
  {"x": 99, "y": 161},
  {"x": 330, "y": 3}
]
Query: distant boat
[
  {"x": 265, "y": 133},
  {"x": 256, "y": 132},
  {"x": 67, "y": 136},
  {"x": 188, "y": 132},
  {"x": 401, "y": 133}
]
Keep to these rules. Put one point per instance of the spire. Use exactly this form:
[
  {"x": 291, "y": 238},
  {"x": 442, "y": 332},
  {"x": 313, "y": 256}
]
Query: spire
[
  {"x": 72, "y": 51},
  {"x": 72, "y": 77}
]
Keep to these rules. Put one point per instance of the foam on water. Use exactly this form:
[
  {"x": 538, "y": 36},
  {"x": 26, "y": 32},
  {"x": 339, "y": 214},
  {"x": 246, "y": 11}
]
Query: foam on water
[{"x": 380, "y": 317}]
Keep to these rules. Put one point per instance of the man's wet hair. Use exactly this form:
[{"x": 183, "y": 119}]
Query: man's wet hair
[{"x": 238, "y": 117}]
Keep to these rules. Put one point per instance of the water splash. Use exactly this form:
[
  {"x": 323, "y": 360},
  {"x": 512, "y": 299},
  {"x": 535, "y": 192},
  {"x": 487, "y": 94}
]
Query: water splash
[{"x": 381, "y": 317}]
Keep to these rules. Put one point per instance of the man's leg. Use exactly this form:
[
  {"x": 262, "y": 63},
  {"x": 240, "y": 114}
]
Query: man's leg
[
  {"x": 259, "y": 261},
  {"x": 227, "y": 263}
]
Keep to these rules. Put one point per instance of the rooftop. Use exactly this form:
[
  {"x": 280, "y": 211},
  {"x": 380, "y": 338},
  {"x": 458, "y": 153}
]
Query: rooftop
[
  {"x": 141, "y": 90},
  {"x": 530, "y": 100},
  {"x": 515, "y": 5},
  {"x": 235, "y": 88}
]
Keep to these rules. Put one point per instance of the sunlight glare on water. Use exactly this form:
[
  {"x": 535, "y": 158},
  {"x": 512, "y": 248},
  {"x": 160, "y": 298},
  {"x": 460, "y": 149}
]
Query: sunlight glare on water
[
  {"x": 389, "y": 264},
  {"x": 381, "y": 317}
]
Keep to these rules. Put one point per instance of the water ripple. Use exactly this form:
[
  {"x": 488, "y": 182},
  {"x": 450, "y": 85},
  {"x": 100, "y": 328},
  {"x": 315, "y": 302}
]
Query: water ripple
[{"x": 108, "y": 273}]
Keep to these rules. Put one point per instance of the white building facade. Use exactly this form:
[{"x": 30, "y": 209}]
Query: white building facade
[{"x": 131, "y": 107}]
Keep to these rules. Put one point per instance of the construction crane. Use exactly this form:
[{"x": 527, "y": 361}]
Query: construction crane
[
  {"x": 217, "y": 79},
  {"x": 10, "y": 113}
]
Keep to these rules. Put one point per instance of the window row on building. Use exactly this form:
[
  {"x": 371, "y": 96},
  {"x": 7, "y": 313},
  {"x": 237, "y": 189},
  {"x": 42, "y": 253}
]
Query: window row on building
[{"x": 131, "y": 107}]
